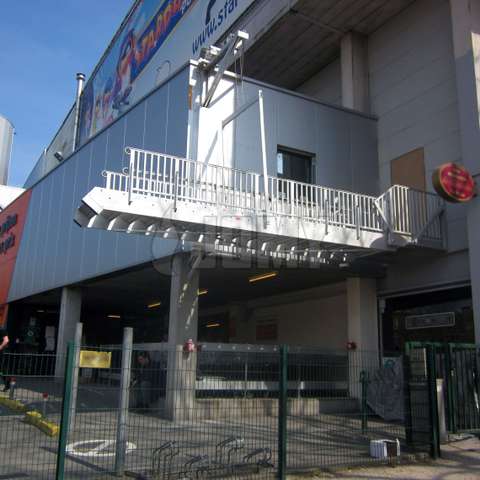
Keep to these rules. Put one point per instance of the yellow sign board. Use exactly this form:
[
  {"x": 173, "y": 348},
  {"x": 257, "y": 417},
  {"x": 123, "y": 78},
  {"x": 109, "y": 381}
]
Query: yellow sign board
[{"x": 92, "y": 359}]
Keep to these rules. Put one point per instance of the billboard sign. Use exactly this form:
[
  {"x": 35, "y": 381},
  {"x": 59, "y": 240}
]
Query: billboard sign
[
  {"x": 158, "y": 37},
  {"x": 12, "y": 220}
]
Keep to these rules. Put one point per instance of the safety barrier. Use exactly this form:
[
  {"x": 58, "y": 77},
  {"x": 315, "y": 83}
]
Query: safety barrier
[
  {"x": 412, "y": 214},
  {"x": 211, "y": 413}
]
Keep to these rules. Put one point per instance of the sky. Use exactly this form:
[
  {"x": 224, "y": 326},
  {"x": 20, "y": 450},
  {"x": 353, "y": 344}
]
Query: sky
[{"x": 43, "y": 44}]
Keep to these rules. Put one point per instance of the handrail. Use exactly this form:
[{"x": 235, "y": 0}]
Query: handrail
[
  {"x": 400, "y": 210},
  {"x": 412, "y": 212}
]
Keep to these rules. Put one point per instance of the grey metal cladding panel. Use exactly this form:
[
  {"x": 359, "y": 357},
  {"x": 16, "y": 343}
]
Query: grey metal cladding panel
[
  {"x": 91, "y": 237},
  {"x": 54, "y": 250},
  {"x": 35, "y": 262},
  {"x": 61, "y": 183},
  {"x": 246, "y": 141},
  {"x": 50, "y": 206},
  {"x": 35, "y": 174},
  {"x": 274, "y": 126},
  {"x": 134, "y": 133},
  {"x": 177, "y": 120},
  {"x": 65, "y": 204},
  {"x": 296, "y": 120},
  {"x": 156, "y": 115},
  {"x": 364, "y": 155},
  {"x": 160, "y": 123},
  {"x": 75, "y": 234},
  {"x": 333, "y": 147},
  {"x": 115, "y": 159}
]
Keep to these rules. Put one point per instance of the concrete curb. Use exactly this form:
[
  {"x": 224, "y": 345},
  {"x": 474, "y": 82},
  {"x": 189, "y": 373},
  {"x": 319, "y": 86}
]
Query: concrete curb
[
  {"x": 35, "y": 418},
  {"x": 32, "y": 417},
  {"x": 15, "y": 405}
]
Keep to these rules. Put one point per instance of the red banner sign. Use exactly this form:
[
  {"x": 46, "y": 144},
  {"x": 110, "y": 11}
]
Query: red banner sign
[
  {"x": 454, "y": 183},
  {"x": 12, "y": 220}
]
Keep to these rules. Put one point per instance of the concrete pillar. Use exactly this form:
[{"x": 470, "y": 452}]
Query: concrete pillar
[
  {"x": 465, "y": 15},
  {"x": 182, "y": 326},
  {"x": 70, "y": 313},
  {"x": 354, "y": 61},
  {"x": 238, "y": 322},
  {"x": 362, "y": 329},
  {"x": 362, "y": 313}
]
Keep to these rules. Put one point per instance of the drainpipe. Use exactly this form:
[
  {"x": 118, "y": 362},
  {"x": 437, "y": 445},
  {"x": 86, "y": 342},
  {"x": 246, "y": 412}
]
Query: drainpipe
[{"x": 80, "y": 82}]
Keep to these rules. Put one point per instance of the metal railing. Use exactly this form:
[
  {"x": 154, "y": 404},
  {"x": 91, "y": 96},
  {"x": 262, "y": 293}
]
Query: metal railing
[
  {"x": 30, "y": 399},
  {"x": 156, "y": 423},
  {"x": 412, "y": 212},
  {"x": 400, "y": 210}
]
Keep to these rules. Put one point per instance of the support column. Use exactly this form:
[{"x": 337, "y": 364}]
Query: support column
[
  {"x": 70, "y": 313},
  {"x": 354, "y": 61},
  {"x": 183, "y": 325},
  {"x": 238, "y": 322},
  {"x": 362, "y": 329},
  {"x": 465, "y": 15}
]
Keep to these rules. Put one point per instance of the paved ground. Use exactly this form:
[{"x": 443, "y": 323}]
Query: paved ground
[
  {"x": 314, "y": 441},
  {"x": 460, "y": 461}
]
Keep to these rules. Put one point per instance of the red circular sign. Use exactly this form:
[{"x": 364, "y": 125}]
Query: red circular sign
[{"x": 454, "y": 183}]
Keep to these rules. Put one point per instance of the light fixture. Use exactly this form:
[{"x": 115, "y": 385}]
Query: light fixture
[
  {"x": 114, "y": 316},
  {"x": 263, "y": 276},
  {"x": 214, "y": 325},
  {"x": 202, "y": 291},
  {"x": 40, "y": 311},
  {"x": 154, "y": 305}
]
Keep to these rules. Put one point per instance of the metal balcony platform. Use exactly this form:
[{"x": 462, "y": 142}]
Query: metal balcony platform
[{"x": 223, "y": 208}]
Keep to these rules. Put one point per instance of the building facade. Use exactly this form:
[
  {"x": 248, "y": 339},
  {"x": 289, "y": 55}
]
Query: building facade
[{"x": 327, "y": 106}]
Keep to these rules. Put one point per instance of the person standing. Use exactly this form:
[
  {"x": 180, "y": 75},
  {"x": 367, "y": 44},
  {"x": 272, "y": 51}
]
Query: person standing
[{"x": 3, "y": 346}]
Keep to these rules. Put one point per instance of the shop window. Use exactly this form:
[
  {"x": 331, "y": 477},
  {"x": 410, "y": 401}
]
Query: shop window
[{"x": 409, "y": 170}]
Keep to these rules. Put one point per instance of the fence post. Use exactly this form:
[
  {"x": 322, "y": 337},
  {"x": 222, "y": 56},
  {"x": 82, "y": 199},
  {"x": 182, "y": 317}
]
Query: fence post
[
  {"x": 282, "y": 413},
  {"x": 245, "y": 380},
  {"x": 432, "y": 400},
  {"x": 449, "y": 389},
  {"x": 66, "y": 406},
  {"x": 122, "y": 419},
  {"x": 407, "y": 396},
  {"x": 364, "y": 379},
  {"x": 77, "y": 341}
]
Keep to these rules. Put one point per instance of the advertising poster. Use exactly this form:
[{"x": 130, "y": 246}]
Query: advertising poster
[
  {"x": 158, "y": 38},
  {"x": 12, "y": 221}
]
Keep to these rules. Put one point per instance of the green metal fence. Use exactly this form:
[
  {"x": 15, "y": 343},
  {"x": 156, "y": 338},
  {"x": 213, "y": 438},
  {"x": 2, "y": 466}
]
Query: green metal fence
[
  {"x": 218, "y": 412},
  {"x": 458, "y": 367},
  {"x": 421, "y": 408},
  {"x": 29, "y": 415}
]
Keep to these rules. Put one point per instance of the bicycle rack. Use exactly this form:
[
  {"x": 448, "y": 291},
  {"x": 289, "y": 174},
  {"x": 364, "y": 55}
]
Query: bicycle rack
[
  {"x": 195, "y": 468},
  {"x": 261, "y": 457},
  {"x": 225, "y": 463},
  {"x": 227, "y": 448},
  {"x": 163, "y": 457}
]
